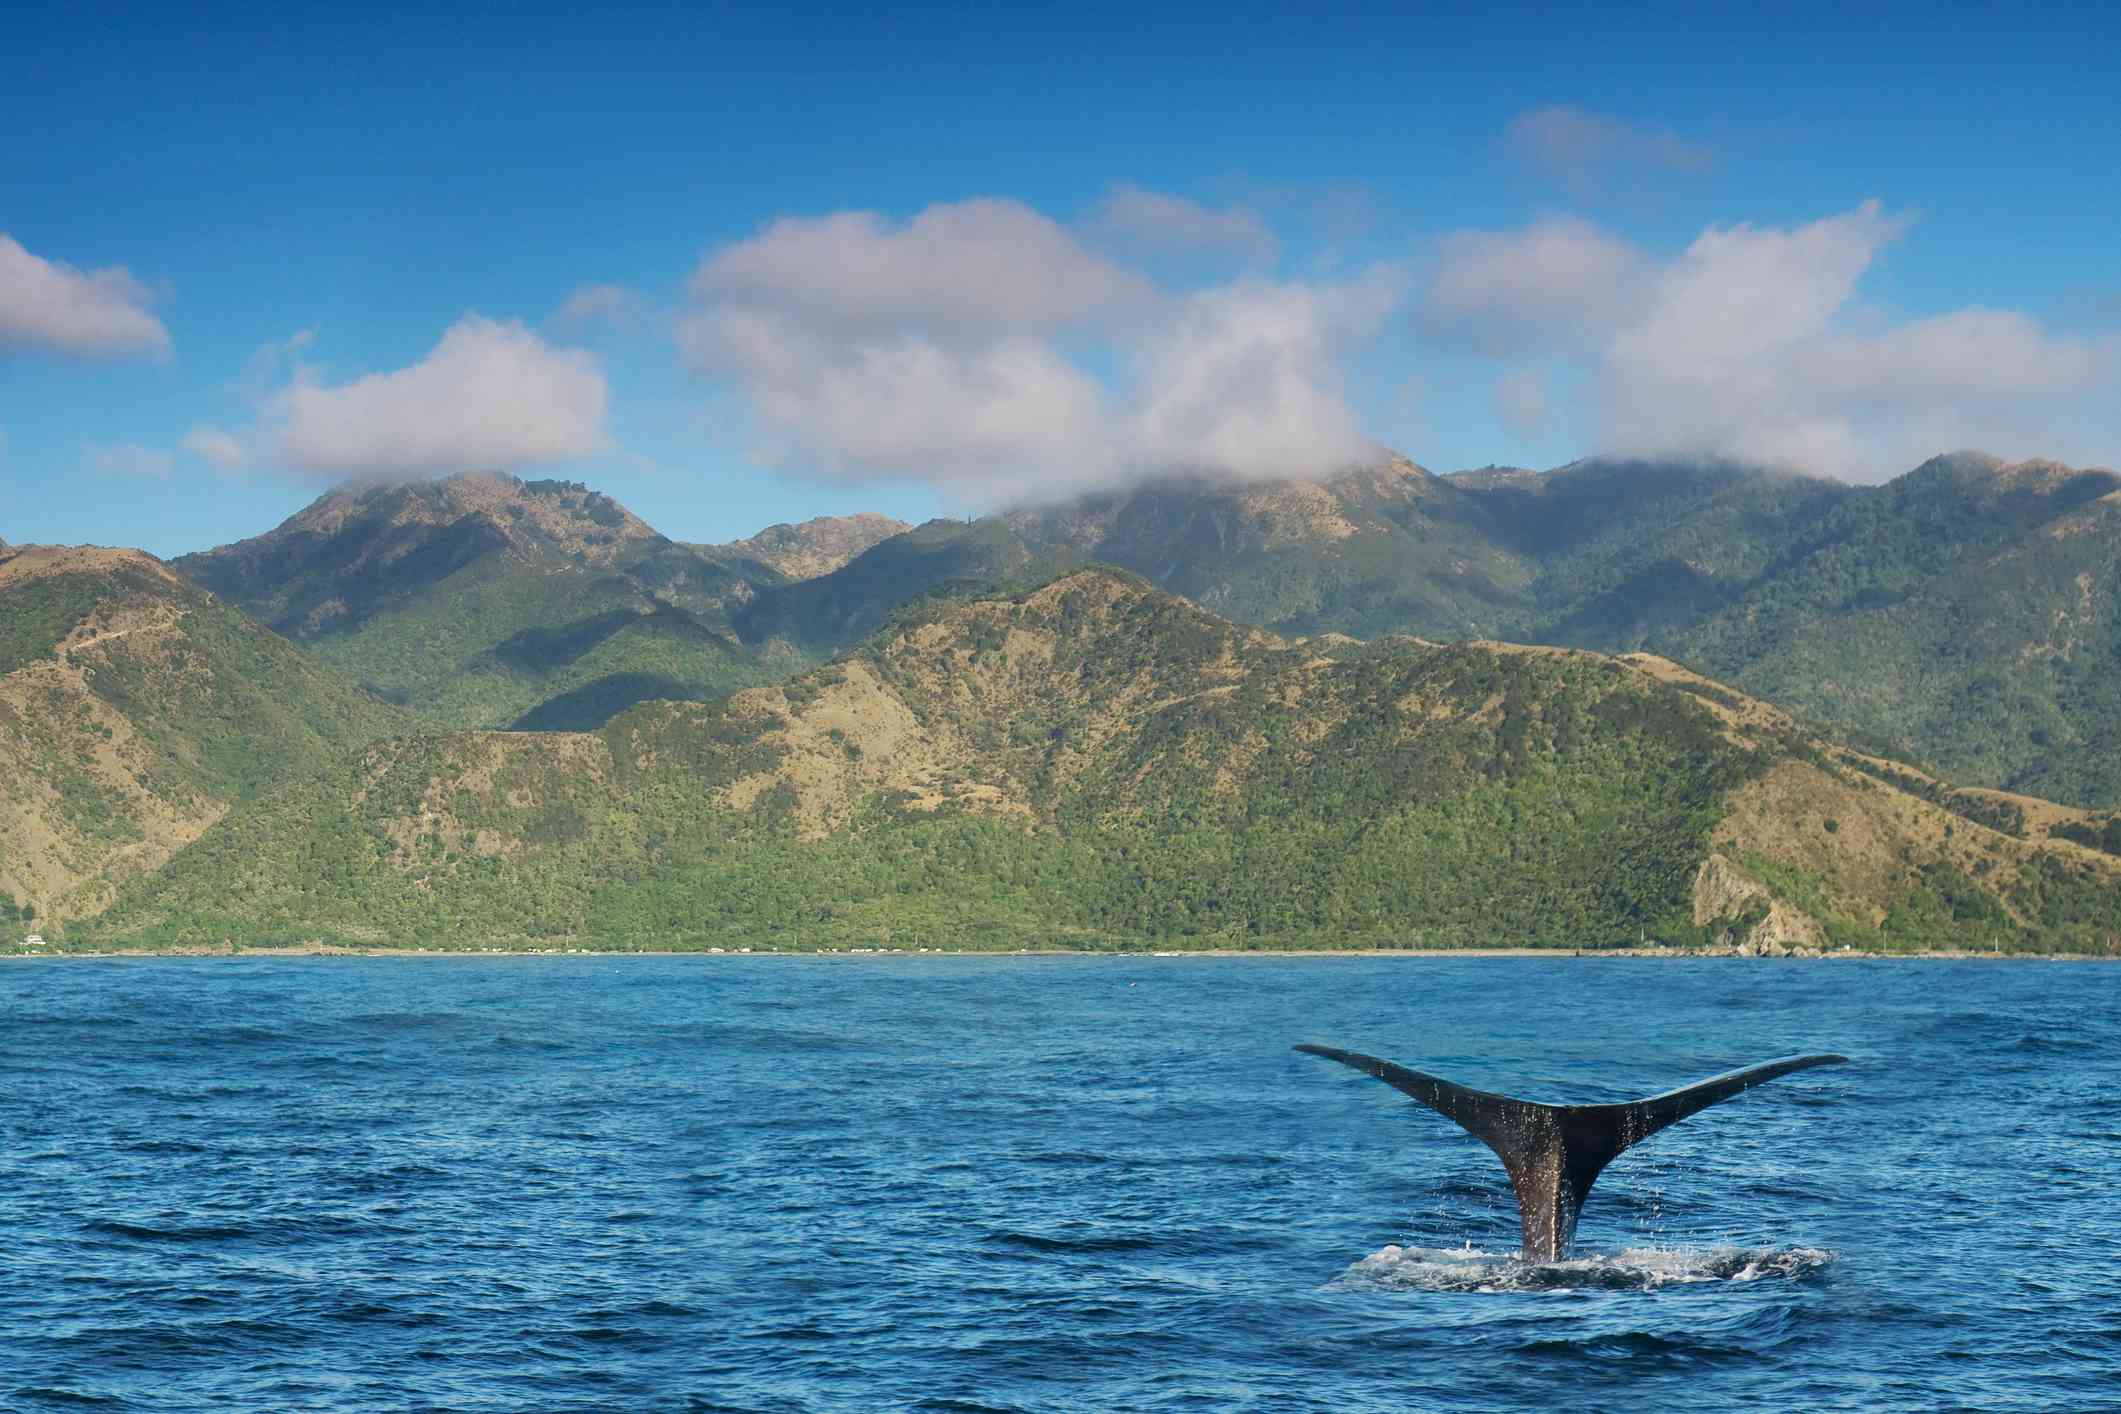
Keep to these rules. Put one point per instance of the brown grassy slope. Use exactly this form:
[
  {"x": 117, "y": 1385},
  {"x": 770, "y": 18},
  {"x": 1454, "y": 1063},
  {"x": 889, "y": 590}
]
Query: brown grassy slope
[
  {"x": 148, "y": 712},
  {"x": 1829, "y": 834}
]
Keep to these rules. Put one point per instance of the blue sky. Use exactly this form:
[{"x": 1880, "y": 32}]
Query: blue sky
[{"x": 745, "y": 266}]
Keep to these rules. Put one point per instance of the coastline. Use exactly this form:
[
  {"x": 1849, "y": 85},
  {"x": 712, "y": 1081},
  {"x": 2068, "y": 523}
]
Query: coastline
[{"x": 315, "y": 950}]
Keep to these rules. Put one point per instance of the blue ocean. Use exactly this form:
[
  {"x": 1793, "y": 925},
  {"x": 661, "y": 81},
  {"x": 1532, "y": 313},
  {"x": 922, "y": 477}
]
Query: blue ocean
[{"x": 1042, "y": 1183}]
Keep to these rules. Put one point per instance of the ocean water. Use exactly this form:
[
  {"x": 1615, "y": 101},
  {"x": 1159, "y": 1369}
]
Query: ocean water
[{"x": 757, "y": 1183}]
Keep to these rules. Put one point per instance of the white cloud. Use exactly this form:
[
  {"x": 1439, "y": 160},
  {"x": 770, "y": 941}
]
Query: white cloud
[
  {"x": 981, "y": 345},
  {"x": 223, "y": 449},
  {"x": 1967, "y": 353},
  {"x": 1585, "y": 149},
  {"x": 895, "y": 405},
  {"x": 131, "y": 461},
  {"x": 1740, "y": 294},
  {"x": 488, "y": 395},
  {"x": 1752, "y": 344},
  {"x": 599, "y": 304},
  {"x": 967, "y": 267},
  {"x": 49, "y": 306},
  {"x": 1244, "y": 381},
  {"x": 1560, "y": 279},
  {"x": 1160, "y": 219}
]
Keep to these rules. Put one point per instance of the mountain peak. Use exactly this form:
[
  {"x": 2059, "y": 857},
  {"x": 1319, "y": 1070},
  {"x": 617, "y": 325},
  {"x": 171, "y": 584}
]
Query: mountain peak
[
  {"x": 818, "y": 546},
  {"x": 20, "y": 564},
  {"x": 563, "y": 515},
  {"x": 1964, "y": 464},
  {"x": 361, "y": 545},
  {"x": 1983, "y": 475}
]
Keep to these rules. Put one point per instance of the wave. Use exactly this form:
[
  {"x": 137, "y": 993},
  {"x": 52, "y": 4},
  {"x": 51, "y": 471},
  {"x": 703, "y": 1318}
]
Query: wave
[
  {"x": 68, "y": 1398},
  {"x": 1632, "y": 1269},
  {"x": 142, "y": 1232},
  {"x": 1040, "y": 1243},
  {"x": 2048, "y": 1044}
]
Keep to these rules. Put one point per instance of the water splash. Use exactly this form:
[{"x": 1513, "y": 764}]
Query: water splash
[{"x": 1395, "y": 1268}]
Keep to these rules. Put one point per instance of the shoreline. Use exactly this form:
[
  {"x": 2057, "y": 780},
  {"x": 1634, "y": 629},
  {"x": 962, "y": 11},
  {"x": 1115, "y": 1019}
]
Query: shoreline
[{"x": 316, "y": 950}]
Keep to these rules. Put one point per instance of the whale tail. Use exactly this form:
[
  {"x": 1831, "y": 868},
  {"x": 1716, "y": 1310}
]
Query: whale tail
[{"x": 1554, "y": 1153}]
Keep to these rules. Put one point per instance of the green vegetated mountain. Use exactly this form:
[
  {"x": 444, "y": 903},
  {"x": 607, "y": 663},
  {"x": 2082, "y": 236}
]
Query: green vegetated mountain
[
  {"x": 1392, "y": 549},
  {"x": 806, "y": 550},
  {"x": 1383, "y": 550},
  {"x": 1098, "y": 762},
  {"x": 135, "y": 708},
  {"x": 1962, "y": 615},
  {"x": 818, "y": 617},
  {"x": 484, "y": 600}
]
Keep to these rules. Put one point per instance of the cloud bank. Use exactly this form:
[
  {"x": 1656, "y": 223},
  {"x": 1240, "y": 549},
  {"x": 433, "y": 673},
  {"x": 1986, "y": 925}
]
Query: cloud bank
[
  {"x": 48, "y": 306},
  {"x": 489, "y": 394},
  {"x": 983, "y": 346},
  {"x": 1752, "y": 344},
  {"x": 1560, "y": 280}
]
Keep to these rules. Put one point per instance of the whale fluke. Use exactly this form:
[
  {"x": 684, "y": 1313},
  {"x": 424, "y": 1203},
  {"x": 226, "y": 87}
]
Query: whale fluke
[{"x": 1554, "y": 1153}]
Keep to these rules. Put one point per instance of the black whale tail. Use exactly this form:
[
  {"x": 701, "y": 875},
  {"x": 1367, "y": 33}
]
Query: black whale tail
[{"x": 1554, "y": 1153}]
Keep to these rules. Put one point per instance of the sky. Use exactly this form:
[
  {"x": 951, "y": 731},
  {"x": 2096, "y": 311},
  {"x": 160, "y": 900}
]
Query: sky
[{"x": 744, "y": 265}]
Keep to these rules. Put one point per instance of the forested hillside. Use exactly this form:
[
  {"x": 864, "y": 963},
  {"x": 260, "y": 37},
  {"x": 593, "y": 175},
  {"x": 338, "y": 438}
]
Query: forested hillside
[
  {"x": 134, "y": 709},
  {"x": 804, "y": 551},
  {"x": 1965, "y": 615},
  {"x": 482, "y": 600},
  {"x": 1962, "y": 615},
  {"x": 1100, "y": 763},
  {"x": 1390, "y": 549}
]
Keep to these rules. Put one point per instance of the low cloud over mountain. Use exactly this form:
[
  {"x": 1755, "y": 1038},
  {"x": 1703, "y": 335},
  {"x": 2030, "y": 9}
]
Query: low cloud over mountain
[
  {"x": 1754, "y": 343},
  {"x": 985, "y": 346},
  {"x": 488, "y": 394}
]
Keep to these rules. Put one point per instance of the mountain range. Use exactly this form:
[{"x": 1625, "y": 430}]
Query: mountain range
[
  {"x": 854, "y": 729},
  {"x": 484, "y": 600},
  {"x": 1097, "y": 762},
  {"x": 1962, "y": 616}
]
